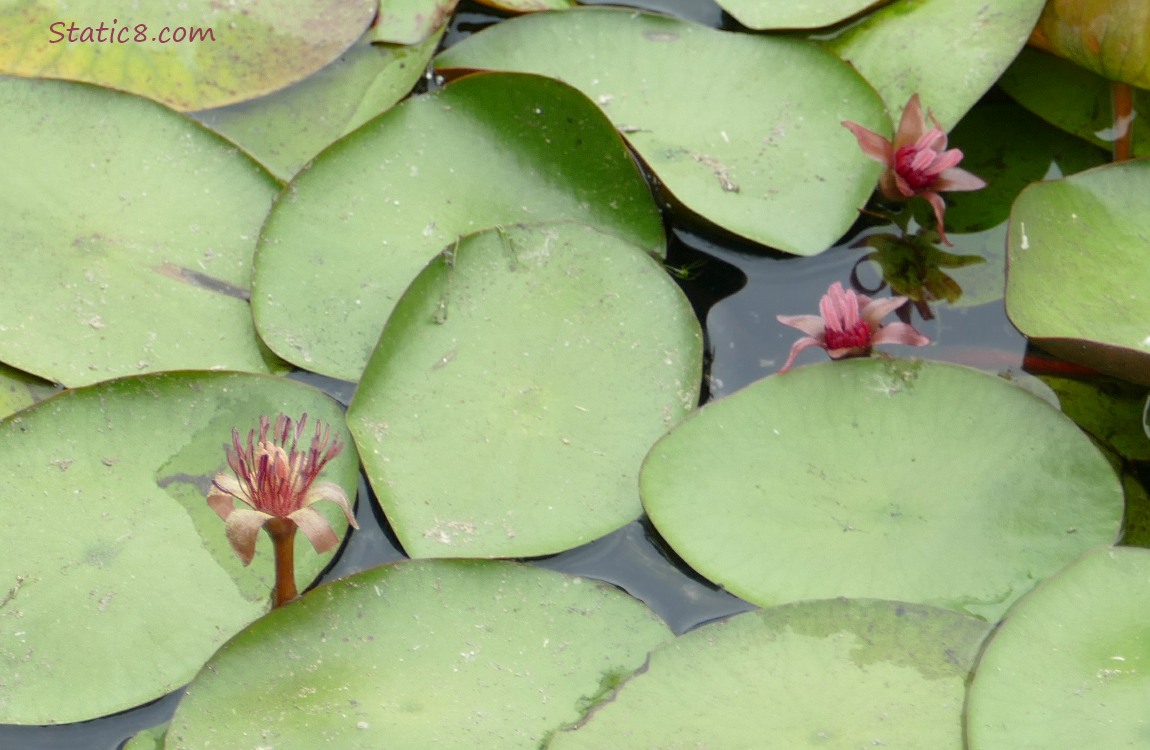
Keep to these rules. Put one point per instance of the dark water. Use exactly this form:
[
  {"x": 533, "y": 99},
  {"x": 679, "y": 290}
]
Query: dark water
[{"x": 737, "y": 288}]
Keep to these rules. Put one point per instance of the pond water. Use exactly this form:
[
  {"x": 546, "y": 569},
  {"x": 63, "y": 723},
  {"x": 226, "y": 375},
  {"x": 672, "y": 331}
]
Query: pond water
[{"x": 737, "y": 288}]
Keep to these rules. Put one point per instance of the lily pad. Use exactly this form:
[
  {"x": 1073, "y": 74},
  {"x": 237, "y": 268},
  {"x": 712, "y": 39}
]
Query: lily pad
[
  {"x": 743, "y": 130},
  {"x": 128, "y": 237},
  {"x": 1077, "y": 268},
  {"x": 108, "y": 532},
  {"x": 878, "y": 478},
  {"x": 190, "y": 55},
  {"x": 352, "y": 231},
  {"x": 517, "y": 387},
  {"x": 443, "y": 654},
  {"x": 19, "y": 389},
  {"x": 1108, "y": 37},
  {"x": 797, "y": 14},
  {"x": 411, "y": 21},
  {"x": 841, "y": 673},
  {"x": 1070, "y": 667},
  {"x": 1072, "y": 98},
  {"x": 285, "y": 130},
  {"x": 950, "y": 52}
]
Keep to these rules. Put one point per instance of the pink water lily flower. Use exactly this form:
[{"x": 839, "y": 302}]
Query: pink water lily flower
[
  {"x": 849, "y": 325},
  {"x": 275, "y": 478},
  {"x": 917, "y": 162}
]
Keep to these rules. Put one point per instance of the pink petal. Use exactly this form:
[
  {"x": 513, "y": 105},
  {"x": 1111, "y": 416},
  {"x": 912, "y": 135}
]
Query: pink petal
[
  {"x": 331, "y": 492},
  {"x": 891, "y": 186},
  {"x": 958, "y": 180},
  {"x": 911, "y": 126},
  {"x": 903, "y": 186},
  {"x": 811, "y": 325},
  {"x": 874, "y": 312},
  {"x": 899, "y": 333},
  {"x": 242, "y": 529},
  {"x": 839, "y": 308},
  {"x": 939, "y": 207},
  {"x": 944, "y": 161},
  {"x": 932, "y": 140},
  {"x": 225, "y": 490},
  {"x": 803, "y": 343},
  {"x": 872, "y": 144},
  {"x": 317, "y": 529}
]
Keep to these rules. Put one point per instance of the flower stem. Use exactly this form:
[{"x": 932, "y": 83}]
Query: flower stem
[
  {"x": 1122, "y": 98},
  {"x": 282, "y": 532}
]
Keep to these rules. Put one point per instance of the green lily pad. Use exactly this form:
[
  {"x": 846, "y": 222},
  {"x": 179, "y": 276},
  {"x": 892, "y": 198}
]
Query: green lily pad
[
  {"x": 190, "y": 55},
  {"x": 880, "y": 478},
  {"x": 797, "y": 14},
  {"x": 148, "y": 739},
  {"x": 19, "y": 389},
  {"x": 1070, "y": 667},
  {"x": 285, "y": 130},
  {"x": 841, "y": 673},
  {"x": 353, "y": 230},
  {"x": 1108, "y": 37},
  {"x": 411, "y": 21},
  {"x": 517, "y": 387},
  {"x": 108, "y": 533},
  {"x": 1009, "y": 147},
  {"x": 711, "y": 113},
  {"x": 1072, "y": 98},
  {"x": 1078, "y": 268},
  {"x": 127, "y": 237},
  {"x": 443, "y": 654},
  {"x": 1112, "y": 411},
  {"x": 950, "y": 52}
]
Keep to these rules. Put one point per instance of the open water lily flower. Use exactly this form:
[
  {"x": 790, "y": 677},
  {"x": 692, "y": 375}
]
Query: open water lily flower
[
  {"x": 275, "y": 478},
  {"x": 849, "y": 325},
  {"x": 917, "y": 162}
]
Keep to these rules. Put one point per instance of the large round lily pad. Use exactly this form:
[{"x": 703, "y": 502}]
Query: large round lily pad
[
  {"x": 127, "y": 237},
  {"x": 839, "y": 673},
  {"x": 427, "y": 654},
  {"x": 354, "y": 229},
  {"x": 1079, "y": 270},
  {"x": 947, "y": 51},
  {"x": 117, "y": 581},
  {"x": 744, "y": 130},
  {"x": 516, "y": 388},
  {"x": 1070, "y": 667},
  {"x": 188, "y": 55},
  {"x": 894, "y": 479}
]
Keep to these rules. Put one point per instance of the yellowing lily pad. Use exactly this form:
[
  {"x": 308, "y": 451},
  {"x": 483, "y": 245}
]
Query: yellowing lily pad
[
  {"x": 352, "y": 231},
  {"x": 127, "y": 237},
  {"x": 893, "y": 479},
  {"x": 1069, "y": 669},
  {"x": 189, "y": 55},
  {"x": 742, "y": 129},
  {"x": 841, "y": 673},
  {"x": 117, "y": 580},
  {"x": 427, "y": 654},
  {"x": 1078, "y": 268},
  {"x": 1108, "y": 37},
  {"x": 516, "y": 388}
]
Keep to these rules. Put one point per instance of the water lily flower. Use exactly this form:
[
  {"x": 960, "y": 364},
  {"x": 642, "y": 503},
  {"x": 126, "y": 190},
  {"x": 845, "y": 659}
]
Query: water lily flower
[
  {"x": 917, "y": 162},
  {"x": 275, "y": 479},
  {"x": 849, "y": 325}
]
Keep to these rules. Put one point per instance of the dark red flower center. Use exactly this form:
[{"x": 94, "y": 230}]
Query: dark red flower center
[
  {"x": 857, "y": 336},
  {"x": 911, "y": 163}
]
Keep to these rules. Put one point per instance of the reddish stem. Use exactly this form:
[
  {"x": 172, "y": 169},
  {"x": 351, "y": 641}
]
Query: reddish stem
[
  {"x": 282, "y": 532},
  {"x": 1122, "y": 99}
]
